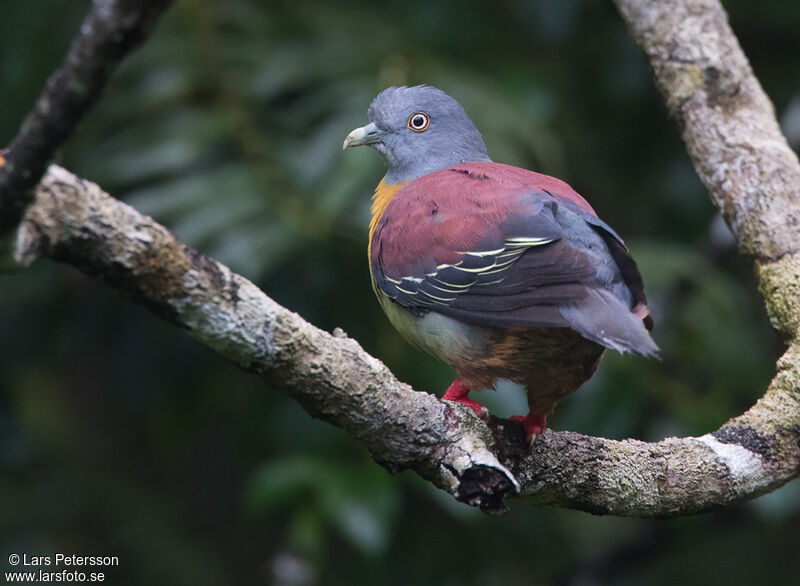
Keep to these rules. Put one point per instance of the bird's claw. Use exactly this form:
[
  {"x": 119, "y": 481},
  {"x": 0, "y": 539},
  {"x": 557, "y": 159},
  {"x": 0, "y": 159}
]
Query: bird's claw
[
  {"x": 532, "y": 440},
  {"x": 481, "y": 411},
  {"x": 458, "y": 391},
  {"x": 534, "y": 425}
]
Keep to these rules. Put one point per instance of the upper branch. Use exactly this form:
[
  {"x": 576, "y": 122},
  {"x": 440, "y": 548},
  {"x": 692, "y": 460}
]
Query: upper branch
[
  {"x": 726, "y": 120},
  {"x": 111, "y": 29}
]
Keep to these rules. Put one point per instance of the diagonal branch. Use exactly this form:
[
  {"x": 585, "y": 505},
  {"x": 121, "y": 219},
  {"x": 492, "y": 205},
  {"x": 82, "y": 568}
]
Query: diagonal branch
[
  {"x": 111, "y": 29},
  {"x": 731, "y": 133},
  {"x": 75, "y": 222}
]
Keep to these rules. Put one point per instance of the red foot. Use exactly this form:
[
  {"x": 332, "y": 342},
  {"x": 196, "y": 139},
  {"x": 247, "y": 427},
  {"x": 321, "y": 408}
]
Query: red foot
[
  {"x": 458, "y": 391},
  {"x": 534, "y": 425}
]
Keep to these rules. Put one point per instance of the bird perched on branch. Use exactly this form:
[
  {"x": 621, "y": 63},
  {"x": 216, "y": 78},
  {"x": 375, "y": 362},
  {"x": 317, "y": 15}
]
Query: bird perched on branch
[{"x": 499, "y": 272}]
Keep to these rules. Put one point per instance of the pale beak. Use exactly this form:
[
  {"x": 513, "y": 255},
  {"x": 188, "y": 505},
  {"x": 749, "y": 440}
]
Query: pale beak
[{"x": 369, "y": 134}]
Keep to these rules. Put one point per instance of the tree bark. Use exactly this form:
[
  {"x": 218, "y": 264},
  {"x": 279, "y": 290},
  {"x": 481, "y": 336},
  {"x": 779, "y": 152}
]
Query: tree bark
[{"x": 731, "y": 134}]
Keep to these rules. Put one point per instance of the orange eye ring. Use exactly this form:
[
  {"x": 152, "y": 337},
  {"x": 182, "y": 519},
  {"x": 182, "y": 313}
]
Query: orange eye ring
[{"x": 419, "y": 122}]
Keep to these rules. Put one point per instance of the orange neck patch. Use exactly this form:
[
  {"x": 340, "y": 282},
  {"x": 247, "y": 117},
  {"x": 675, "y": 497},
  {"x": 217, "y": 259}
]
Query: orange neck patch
[{"x": 383, "y": 195}]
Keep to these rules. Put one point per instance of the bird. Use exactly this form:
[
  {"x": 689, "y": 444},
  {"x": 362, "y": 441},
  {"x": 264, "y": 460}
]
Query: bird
[{"x": 499, "y": 272}]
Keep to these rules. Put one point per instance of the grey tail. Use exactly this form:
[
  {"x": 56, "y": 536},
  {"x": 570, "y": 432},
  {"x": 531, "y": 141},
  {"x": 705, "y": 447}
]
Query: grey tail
[{"x": 604, "y": 318}]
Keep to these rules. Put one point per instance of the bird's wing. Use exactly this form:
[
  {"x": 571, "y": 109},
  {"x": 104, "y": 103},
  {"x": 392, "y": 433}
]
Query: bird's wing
[{"x": 494, "y": 245}]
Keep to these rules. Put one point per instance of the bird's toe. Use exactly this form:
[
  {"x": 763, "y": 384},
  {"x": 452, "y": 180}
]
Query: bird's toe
[{"x": 533, "y": 425}]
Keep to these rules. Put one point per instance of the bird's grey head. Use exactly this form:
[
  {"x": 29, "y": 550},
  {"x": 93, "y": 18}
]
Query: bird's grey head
[{"x": 418, "y": 130}]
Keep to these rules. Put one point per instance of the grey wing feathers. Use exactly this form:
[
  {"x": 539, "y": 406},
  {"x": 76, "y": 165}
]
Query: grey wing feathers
[{"x": 602, "y": 317}]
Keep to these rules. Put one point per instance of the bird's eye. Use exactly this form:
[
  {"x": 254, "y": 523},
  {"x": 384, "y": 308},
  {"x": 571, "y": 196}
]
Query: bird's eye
[{"x": 419, "y": 121}]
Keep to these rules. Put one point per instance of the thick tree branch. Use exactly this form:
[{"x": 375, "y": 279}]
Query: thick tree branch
[
  {"x": 73, "y": 221},
  {"x": 731, "y": 133},
  {"x": 111, "y": 29}
]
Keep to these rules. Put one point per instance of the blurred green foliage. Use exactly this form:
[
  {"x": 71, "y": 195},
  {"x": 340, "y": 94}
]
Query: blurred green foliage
[{"x": 120, "y": 435}]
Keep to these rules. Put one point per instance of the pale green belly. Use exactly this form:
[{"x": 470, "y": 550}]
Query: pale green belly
[{"x": 449, "y": 340}]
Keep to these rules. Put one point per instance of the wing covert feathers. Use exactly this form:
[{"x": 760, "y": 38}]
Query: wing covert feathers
[{"x": 497, "y": 246}]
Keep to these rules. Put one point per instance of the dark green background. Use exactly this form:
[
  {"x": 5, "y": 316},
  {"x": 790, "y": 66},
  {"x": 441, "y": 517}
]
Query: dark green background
[{"x": 121, "y": 435}]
